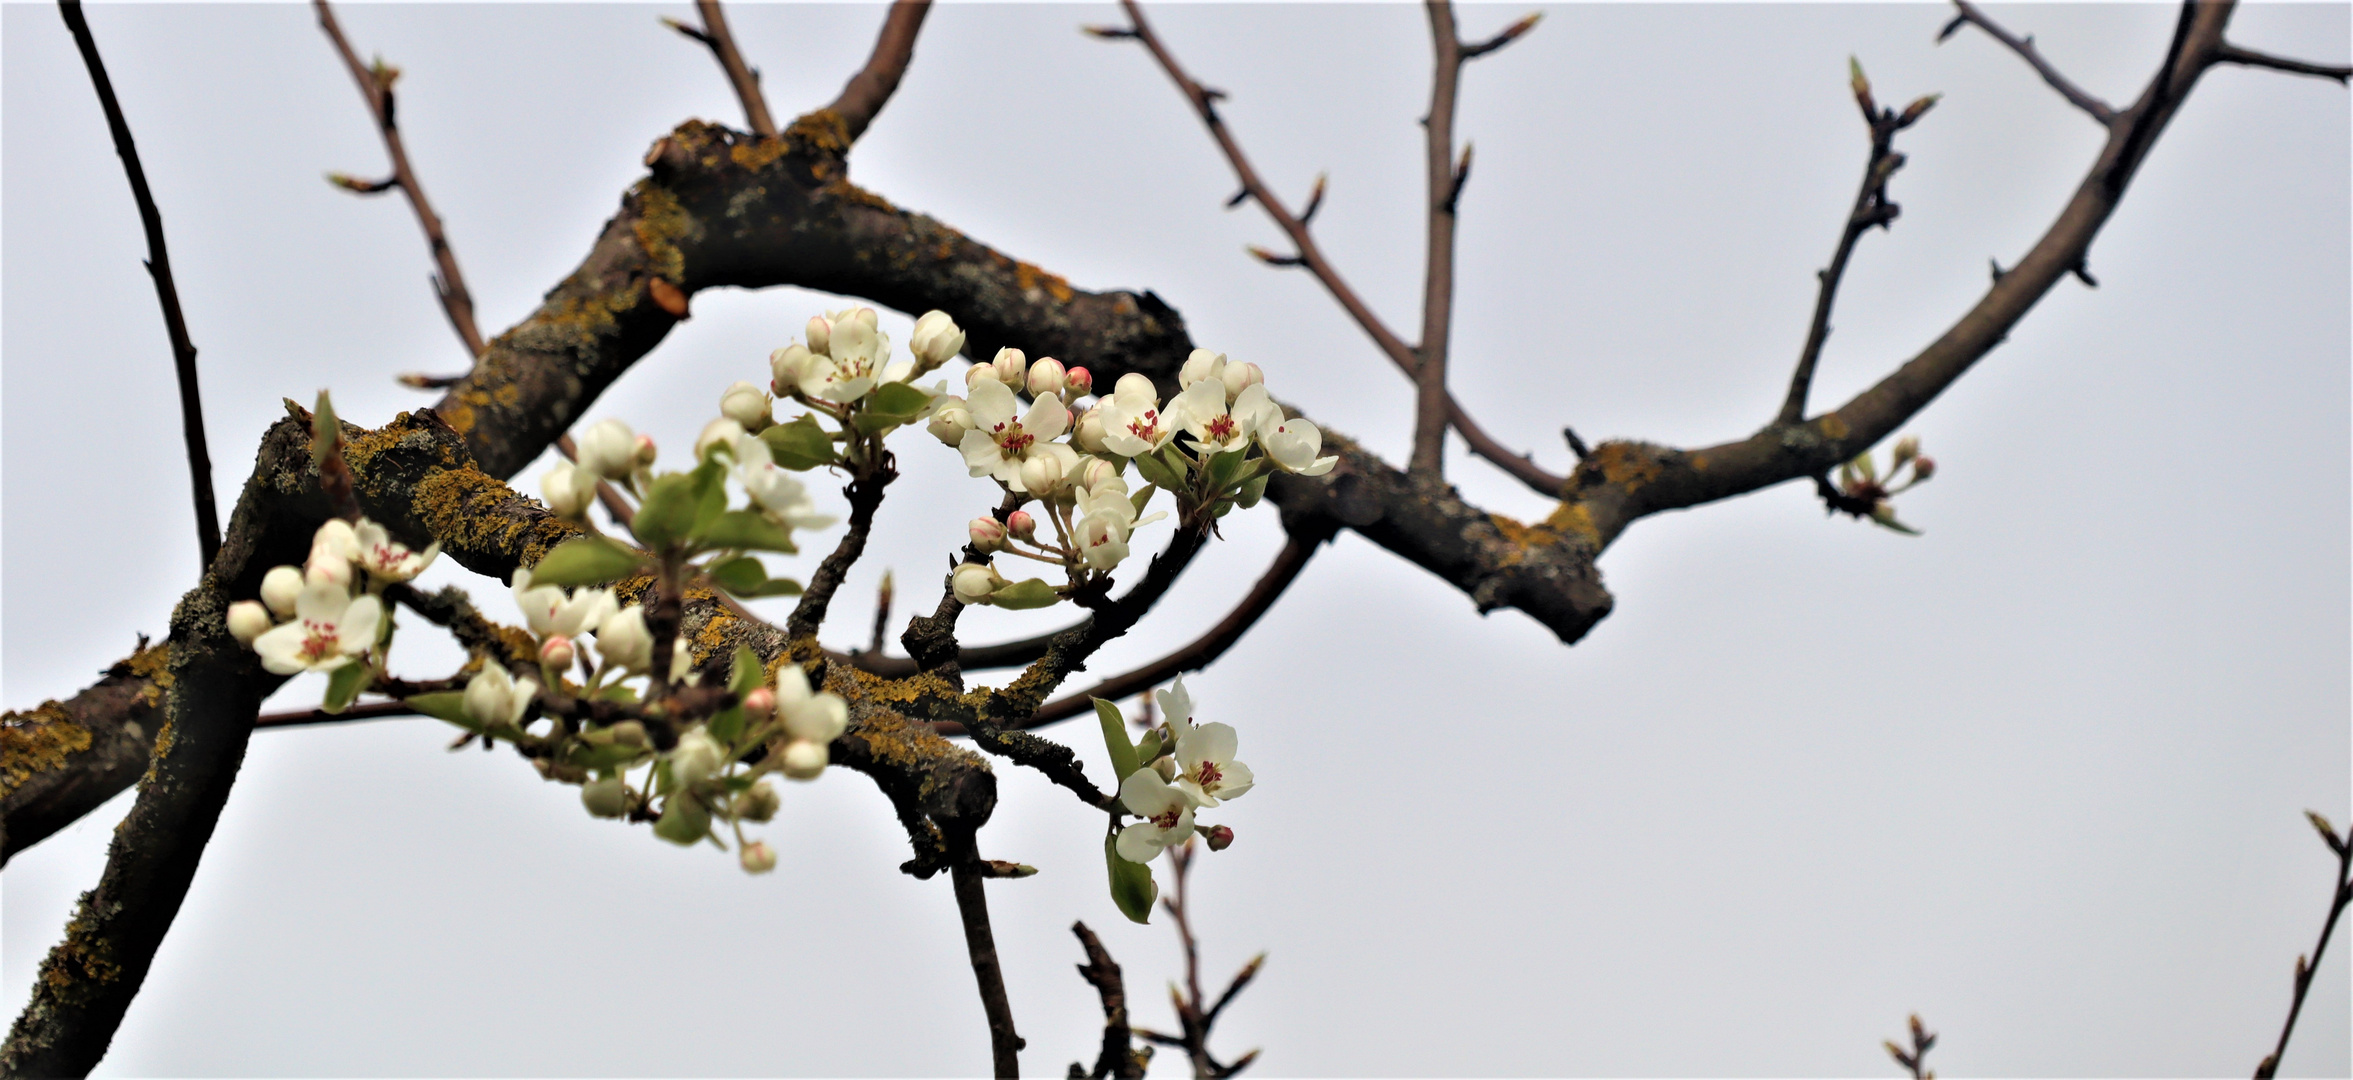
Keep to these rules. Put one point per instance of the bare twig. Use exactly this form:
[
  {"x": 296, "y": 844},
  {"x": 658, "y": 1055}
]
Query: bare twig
[
  {"x": 972, "y": 905},
  {"x": 2232, "y": 54},
  {"x": 167, "y": 294},
  {"x": 715, "y": 36},
  {"x": 871, "y": 88},
  {"x": 1430, "y": 399},
  {"x": 374, "y": 710},
  {"x": 1915, "y": 1060},
  {"x": 1311, "y": 257},
  {"x": 865, "y": 495},
  {"x": 1117, "y": 1057},
  {"x": 1872, "y": 208},
  {"x": 882, "y": 614},
  {"x": 2024, "y": 47},
  {"x": 375, "y": 86},
  {"x": 1194, "y": 1015},
  {"x": 2342, "y": 848},
  {"x": 1508, "y": 35}
]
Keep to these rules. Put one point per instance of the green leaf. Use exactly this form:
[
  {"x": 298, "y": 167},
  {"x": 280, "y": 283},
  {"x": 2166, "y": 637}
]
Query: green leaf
[
  {"x": 1124, "y": 759},
  {"x": 619, "y": 693},
  {"x": 1025, "y": 594},
  {"x": 1253, "y": 490},
  {"x": 585, "y": 560},
  {"x": 800, "y": 445},
  {"x": 898, "y": 399},
  {"x": 781, "y": 586},
  {"x": 1225, "y": 468},
  {"x": 1156, "y": 473},
  {"x": 748, "y": 530},
  {"x": 727, "y": 725},
  {"x": 324, "y": 430},
  {"x": 344, "y": 684},
  {"x": 1148, "y": 747},
  {"x": 1174, "y": 456},
  {"x": 668, "y": 512},
  {"x": 869, "y": 423},
  {"x": 710, "y": 479},
  {"x": 589, "y": 756},
  {"x": 1132, "y": 887},
  {"x": 1138, "y": 499},
  {"x": 748, "y": 672},
  {"x": 449, "y": 705},
  {"x": 738, "y": 575}
]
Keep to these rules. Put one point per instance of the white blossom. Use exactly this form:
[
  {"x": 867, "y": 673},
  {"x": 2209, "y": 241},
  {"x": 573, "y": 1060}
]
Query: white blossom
[
  {"x": 811, "y": 720},
  {"x": 1000, "y": 441},
  {"x": 1239, "y": 377},
  {"x": 1087, "y": 433},
  {"x": 607, "y": 449},
  {"x": 548, "y": 612},
  {"x": 248, "y": 620},
  {"x": 1207, "y": 772},
  {"x": 1102, "y": 540},
  {"x": 1132, "y": 425},
  {"x": 332, "y": 551},
  {"x": 850, "y": 363},
  {"x": 974, "y": 582},
  {"x": 569, "y": 489},
  {"x": 1200, "y": 365},
  {"x": 1216, "y": 428},
  {"x": 1167, "y": 814},
  {"x": 719, "y": 434},
  {"x": 746, "y": 404},
  {"x": 696, "y": 758},
  {"x": 936, "y": 340},
  {"x": 949, "y": 420},
  {"x": 329, "y": 629},
  {"x": 779, "y": 494},
  {"x": 787, "y": 366},
  {"x": 1292, "y": 444},
  {"x": 624, "y": 641},
  {"x": 1176, "y": 704},
  {"x": 279, "y": 588},
  {"x": 388, "y": 559},
  {"x": 495, "y": 699},
  {"x": 1042, "y": 474}
]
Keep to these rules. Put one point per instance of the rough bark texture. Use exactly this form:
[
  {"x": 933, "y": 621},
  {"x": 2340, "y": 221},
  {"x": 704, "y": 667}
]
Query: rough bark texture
[{"x": 62, "y": 759}]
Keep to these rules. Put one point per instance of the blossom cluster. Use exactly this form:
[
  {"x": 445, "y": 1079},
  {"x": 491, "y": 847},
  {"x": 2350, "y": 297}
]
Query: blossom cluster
[
  {"x": 1862, "y": 492},
  {"x": 1174, "y": 771},
  {"x": 328, "y": 614}
]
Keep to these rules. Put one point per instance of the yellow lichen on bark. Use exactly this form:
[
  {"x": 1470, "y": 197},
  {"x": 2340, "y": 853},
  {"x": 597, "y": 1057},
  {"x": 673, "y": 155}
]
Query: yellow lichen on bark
[
  {"x": 1833, "y": 427},
  {"x": 35, "y": 742}
]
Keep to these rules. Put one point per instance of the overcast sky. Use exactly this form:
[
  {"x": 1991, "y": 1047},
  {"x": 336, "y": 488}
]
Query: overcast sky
[{"x": 2037, "y": 774}]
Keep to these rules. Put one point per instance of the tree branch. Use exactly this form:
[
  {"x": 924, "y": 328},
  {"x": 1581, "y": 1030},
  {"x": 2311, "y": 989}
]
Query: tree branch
[
  {"x": 2024, "y": 47},
  {"x": 972, "y": 904},
  {"x": 2232, "y": 54},
  {"x": 1118, "y": 1056},
  {"x": 865, "y": 495},
  {"x": 871, "y": 88},
  {"x": 167, "y": 294},
  {"x": 1430, "y": 398},
  {"x": 2342, "y": 848},
  {"x": 715, "y": 36}
]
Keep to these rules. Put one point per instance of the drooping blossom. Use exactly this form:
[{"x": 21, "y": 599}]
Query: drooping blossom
[
  {"x": 1167, "y": 814},
  {"x": 774, "y": 489},
  {"x": 568, "y": 489},
  {"x": 495, "y": 699},
  {"x": 811, "y": 719},
  {"x": 548, "y": 612},
  {"x": 608, "y": 449}
]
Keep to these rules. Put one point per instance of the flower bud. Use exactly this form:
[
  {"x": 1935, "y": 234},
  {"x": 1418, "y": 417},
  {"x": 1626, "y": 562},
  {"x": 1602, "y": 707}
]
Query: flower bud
[
  {"x": 1202, "y": 364},
  {"x": 247, "y": 621},
  {"x": 1219, "y": 837},
  {"x": 1012, "y": 366},
  {"x": 279, "y": 588},
  {"x": 1042, "y": 474},
  {"x": 759, "y": 803},
  {"x": 645, "y": 450},
  {"x": 568, "y": 489},
  {"x": 1088, "y": 434},
  {"x": 937, "y": 340},
  {"x": 625, "y": 641},
  {"x": 557, "y": 652},
  {"x": 1022, "y": 525},
  {"x": 988, "y": 534},
  {"x": 820, "y": 332},
  {"x": 758, "y": 858},
  {"x": 746, "y": 405},
  {"x": 1906, "y": 449},
  {"x": 1047, "y": 377},
  {"x": 1094, "y": 471},
  {"x": 950, "y": 423},
  {"x": 974, "y": 582},
  {"x": 977, "y": 372},
  {"x": 696, "y": 758},
  {"x": 606, "y": 798},
  {"x": 684, "y": 820},
  {"x": 760, "y": 703},
  {"x": 718, "y": 433},
  {"x": 1240, "y": 377},
  {"x": 1923, "y": 468},
  {"x": 787, "y": 365},
  {"x": 628, "y": 733},
  {"x": 804, "y": 759},
  {"x": 1078, "y": 382},
  {"x": 325, "y": 565},
  {"x": 1166, "y": 767},
  {"x": 607, "y": 448}
]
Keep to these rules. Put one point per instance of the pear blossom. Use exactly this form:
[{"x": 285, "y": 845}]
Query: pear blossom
[
  {"x": 1110, "y": 498},
  {"x": 1291, "y": 445},
  {"x": 804, "y": 760},
  {"x": 1206, "y": 770},
  {"x": 1216, "y": 428},
  {"x": 851, "y": 361},
  {"x": 979, "y": 373},
  {"x": 624, "y": 640},
  {"x": 787, "y": 365},
  {"x": 1239, "y": 377},
  {"x": 759, "y": 803},
  {"x": 811, "y": 720},
  {"x": 1202, "y": 364},
  {"x": 279, "y": 588},
  {"x": 1042, "y": 474},
  {"x": 1078, "y": 382},
  {"x": 332, "y": 551},
  {"x": 774, "y": 489},
  {"x": 568, "y": 489},
  {"x": 1094, "y": 471},
  {"x": 1088, "y": 433},
  {"x": 1012, "y": 366},
  {"x": 757, "y": 857},
  {"x": 1000, "y": 441},
  {"x": 248, "y": 620},
  {"x": 547, "y": 611},
  {"x": 329, "y": 629},
  {"x": 716, "y": 435},
  {"x": 1022, "y": 523},
  {"x": 608, "y": 449},
  {"x": 1046, "y": 377},
  {"x": 1132, "y": 424},
  {"x": 696, "y": 758},
  {"x": 975, "y": 582},
  {"x": 746, "y": 404},
  {"x": 1102, "y": 540},
  {"x": 1167, "y": 814},
  {"x": 936, "y": 340},
  {"x": 387, "y": 559},
  {"x": 1176, "y": 704},
  {"x": 987, "y": 533},
  {"x": 495, "y": 699},
  {"x": 949, "y": 419}
]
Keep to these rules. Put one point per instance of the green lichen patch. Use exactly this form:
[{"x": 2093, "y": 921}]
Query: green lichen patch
[{"x": 37, "y": 741}]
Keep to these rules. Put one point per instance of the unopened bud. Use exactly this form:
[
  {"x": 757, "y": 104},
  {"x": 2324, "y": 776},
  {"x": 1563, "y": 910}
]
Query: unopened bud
[
  {"x": 977, "y": 372},
  {"x": 1042, "y": 474},
  {"x": 787, "y": 365},
  {"x": 820, "y": 334},
  {"x": 721, "y": 432},
  {"x": 1095, "y": 471},
  {"x": 759, "y": 703},
  {"x": 936, "y": 340},
  {"x": 1201, "y": 364},
  {"x": 1078, "y": 382},
  {"x": 1047, "y": 377},
  {"x": 759, "y": 803},
  {"x": 975, "y": 582},
  {"x": 247, "y": 621},
  {"x": 697, "y": 758},
  {"x": 804, "y": 759},
  {"x": 1923, "y": 468},
  {"x": 628, "y": 733},
  {"x": 557, "y": 652},
  {"x": 684, "y": 820},
  {"x": 758, "y": 858},
  {"x": 950, "y": 423},
  {"x": 1219, "y": 837},
  {"x": 1240, "y": 377},
  {"x": 988, "y": 534},
  {"x": 605, "y": 798},
  {"x": 1021, "y": 524},
  {"x": 645, "y": 450},
  {"x": 1906, "y": 449},
  {"x": 746, "y": 405},
  {"x": 1166, "y": 767},
  {"x": 1012, "y": 366},
  {"x": 279, "y": 589}
]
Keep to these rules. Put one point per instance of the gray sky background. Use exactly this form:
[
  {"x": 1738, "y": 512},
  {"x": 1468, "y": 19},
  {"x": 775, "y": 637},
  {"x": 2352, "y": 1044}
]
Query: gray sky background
[{"x": 2037, "y": 774}]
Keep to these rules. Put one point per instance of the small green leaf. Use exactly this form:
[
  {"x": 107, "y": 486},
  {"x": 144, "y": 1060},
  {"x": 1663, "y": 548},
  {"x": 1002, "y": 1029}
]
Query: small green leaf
[
  {"x": 344, "y": 684},
  {"x": 617, "y": 693},
  {"x": 869, "y": 423},
  {"x": 748, "y": 672},
  {"x": 1253, "y": 490},
  {"x": 781, "y": 586},
  {"x": 449, "y": 705},
  {"x": 738, "y": 575},
  {"x": 800, "y": 445},
  {"x": 1138, "y": 499},
  {"x": 1026, "y": 594},
  {"x": 1132, "y": 887},
  {"x": 899, "y": 399},
  {"x": 585, "y": 560},
  {"x": 324, "y": 429},
  {"x": 748, "y": 530},
  {"x": 610, "y": 755},
  {"x": 710, "y": 480},
  {"x": 1156, "y": 473},
  {"x": 1148, "y": 747},
  {"x": 668, "y": 512},
  {"x": 1176, "y": 459},
  {"x": 727, "y": 725},
  {"x": 1124, "y": 759},
  {"x": 1225, "y": 469}
]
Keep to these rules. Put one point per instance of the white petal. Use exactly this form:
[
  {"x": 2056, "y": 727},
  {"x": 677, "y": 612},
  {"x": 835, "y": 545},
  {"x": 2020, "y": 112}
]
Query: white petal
[
  {"x": 1145, "y": 794},
  {"x": 991, "y": 403},
  {"x": 1140, "y": 842},
  {"x": 281, "y": 649},
  {"x": 981, "y": 453},
  {"x": 1236, "y": 781},
  {"x": 321, "y": 602},
  {"x": 1046, "y": 418},
  {"x": 1208, "y": 742},
  {"x": 356, "y": 632}
]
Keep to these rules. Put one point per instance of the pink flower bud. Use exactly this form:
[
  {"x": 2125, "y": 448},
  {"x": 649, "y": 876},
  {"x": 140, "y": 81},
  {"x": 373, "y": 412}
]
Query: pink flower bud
[
  {"x": 1219, "y": 837},
  {"x": 758, "y": 858},
  {"x": 1021, "y": 524},
  {"x": 988, "y": 534},
  {"x": 557, "y": 652},
  {"x": 1078, "y": 381},
  {"x": 645, "y": 449},
  {"x": 1923, "y": 468},
  {"x": 1047, "y": 377},
  {"x": 759, "y": 703},
  {"x": 1095, "y": 471}
]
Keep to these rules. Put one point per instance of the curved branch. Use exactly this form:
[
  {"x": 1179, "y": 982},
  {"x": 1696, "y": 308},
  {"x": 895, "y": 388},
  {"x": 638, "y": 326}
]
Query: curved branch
[
  {"x": 871, "y": 88},
  {"x": 2232, "y": 54},
  {"x": 2024, "y": 47}
]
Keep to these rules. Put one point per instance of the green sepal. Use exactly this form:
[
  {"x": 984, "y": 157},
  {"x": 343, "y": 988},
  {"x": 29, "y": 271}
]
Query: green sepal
[
  {"x": 668, "y": 512},
  {"x": 618, "y": 693},
  {"x": 777, "y": 586},
  {"x": 1148, "y": 747},
  {"x": 1124, "y": 759},
  {"x": 800, "y": 445},
  {"x": 748, "y": 530},
  {"x": 344, "y": 684},
  {"x": 607, "y": 756},
  {"x": 1225, "y": 469},
  {"x": 1174, "y": 456},
  {"x": 898, "y": 399},
  {"x": 684, "y": 821},
  {"x": 1156, "y": 473},
  {"x": 1026, "y": 594},
  {"x": 1132, "y": 887},
  {"x": 586, "y": 560},
  {"x": 748, "y": 673},
  {"x": 1253, "y": 490},
  {"x": 324, "y": 430},
  {"x": 449, "y": 705}
]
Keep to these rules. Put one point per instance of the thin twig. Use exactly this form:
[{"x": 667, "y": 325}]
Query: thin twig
[
  {"x": 1430, "y": 398},
  {"x": 863, "y": 97},
  {"x": 1916, "y": 1060},
  {"x": 375, "y": 86},
  {"x": 714, "y": 35},
  {"x": 1117, "y": 1058},
  {"x": 882, "y": 615},
  {"x": 972, "y": 905},
  {"x": 2024, "y": 47},
  {"x": 167, "y": 294},
  {"x": 2342, "y": 847},
  {"x": 2232, "y": 54},
  {"x": 1520, "y": 466},
  {"x": 865, "y": 495}
]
